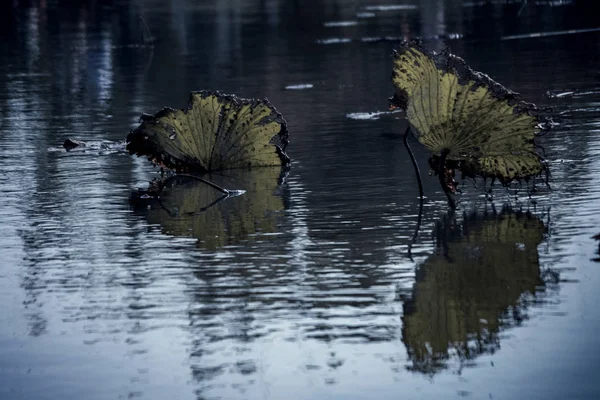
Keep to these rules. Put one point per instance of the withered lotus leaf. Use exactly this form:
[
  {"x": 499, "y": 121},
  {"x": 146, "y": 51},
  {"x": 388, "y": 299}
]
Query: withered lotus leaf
[
  {"x": 214, "y": 132},
  {"x": 481, "y": 126}
]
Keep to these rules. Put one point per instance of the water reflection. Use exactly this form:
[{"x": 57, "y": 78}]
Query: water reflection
[
  {"x": 597, "y": 237},
  {"x": 485, "y": 269},
  {"x": 299, "y": 297},
  {"x": 191, "y": 208}
]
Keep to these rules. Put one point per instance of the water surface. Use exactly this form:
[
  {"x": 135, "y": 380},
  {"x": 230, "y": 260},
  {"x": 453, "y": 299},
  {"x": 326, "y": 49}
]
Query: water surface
[{"x": 307, "y": 286}]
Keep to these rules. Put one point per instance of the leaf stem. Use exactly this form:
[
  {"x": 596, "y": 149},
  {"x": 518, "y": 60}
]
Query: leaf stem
[
  {"x": 414, "y": 163},
  {"x": 442, "y": 177}
]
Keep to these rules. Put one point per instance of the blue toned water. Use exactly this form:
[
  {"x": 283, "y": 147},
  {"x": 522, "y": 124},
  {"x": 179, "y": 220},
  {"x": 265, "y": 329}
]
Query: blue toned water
[{"x": 306, "y": 286}]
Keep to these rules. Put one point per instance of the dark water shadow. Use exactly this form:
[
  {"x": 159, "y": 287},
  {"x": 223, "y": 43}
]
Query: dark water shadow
[
  {"x": 481, "y": 279},
  {"x": 190, "y": 208}
]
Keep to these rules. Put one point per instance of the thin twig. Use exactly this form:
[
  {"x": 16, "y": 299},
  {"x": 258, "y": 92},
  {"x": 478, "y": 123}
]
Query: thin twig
[
  {"x": 522, "y": 8},
  {"x": 209, "y": 183},
  {"x": 148, "y": 32},
  {"x": 414, "y": 163}
]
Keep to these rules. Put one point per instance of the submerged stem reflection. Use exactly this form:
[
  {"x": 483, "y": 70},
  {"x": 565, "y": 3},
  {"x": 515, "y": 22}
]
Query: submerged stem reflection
[{"x": 190, "y": 208}]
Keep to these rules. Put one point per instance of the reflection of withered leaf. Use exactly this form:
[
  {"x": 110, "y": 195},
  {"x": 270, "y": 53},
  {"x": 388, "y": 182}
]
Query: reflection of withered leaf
[
  {"x": 462, "y": 298},
  {"x": 182, "y": 209}
]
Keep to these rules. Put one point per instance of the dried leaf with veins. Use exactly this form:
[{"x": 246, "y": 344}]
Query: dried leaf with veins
[
  {"x": 482, "y": 127},
  {"x": 214, "y": 132}
]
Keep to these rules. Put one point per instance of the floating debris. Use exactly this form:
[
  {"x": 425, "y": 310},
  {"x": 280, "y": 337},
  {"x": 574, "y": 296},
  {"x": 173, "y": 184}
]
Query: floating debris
[
  {"x": 546, "y": 34},
  {"x": 301, "y": 86},
  {"x": 365, "y": 15},
  {"x": 376, "y": 39},
  {"x": 554, "y": 3},
  {"x": 71, "y": 144},
  {"x": 551, "y": 3},
  {"x": 102, "y": 147},
  {"x": 370, "y": 115},
  {"x": 333, "y": 24},
  {"x": 452, "y": 36},
  {"x": 334, "y": 40},
  {"x": 27, "y": 75},
  {"x": 589, "y": 92},
  {"x": 552, "y": 94},
  {"x": 391, "y": 7}
]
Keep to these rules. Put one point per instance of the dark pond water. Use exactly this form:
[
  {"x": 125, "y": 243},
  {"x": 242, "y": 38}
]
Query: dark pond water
[{"x": 306, "y": 289}]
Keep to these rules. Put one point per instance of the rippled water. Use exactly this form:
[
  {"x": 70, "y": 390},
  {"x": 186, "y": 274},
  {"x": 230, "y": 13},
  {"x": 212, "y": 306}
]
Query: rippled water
[{"x": 308, "y": 286}]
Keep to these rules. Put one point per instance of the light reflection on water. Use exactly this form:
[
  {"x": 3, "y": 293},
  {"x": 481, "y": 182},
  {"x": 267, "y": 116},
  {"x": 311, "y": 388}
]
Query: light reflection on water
[{"x": 300, "y": 287}]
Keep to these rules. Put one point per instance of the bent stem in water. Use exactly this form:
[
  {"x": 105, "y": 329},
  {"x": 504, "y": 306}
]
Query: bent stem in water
[
  {"x": 226, "y": 193},
  {"x": 420, "y": 182},
  {"x": 442, "y": 177},
  {"x": 209, "y": 183},
  {"x": 414, "y": 163},
  {"x": 201, "y": 210}
]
